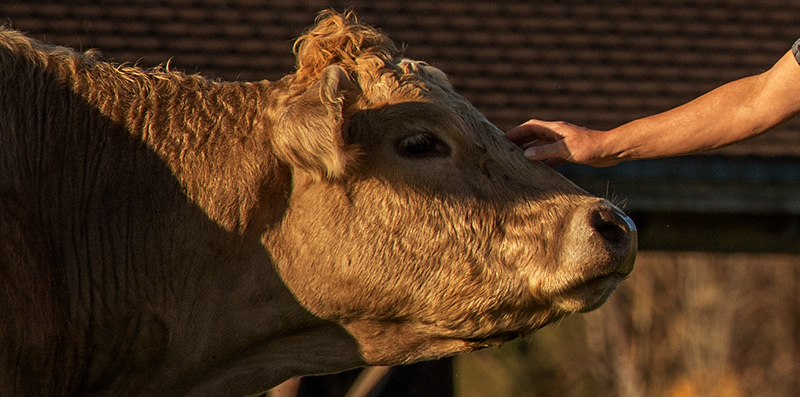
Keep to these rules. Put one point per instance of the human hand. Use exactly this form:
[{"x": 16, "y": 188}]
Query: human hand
[{"x": 558, "y": 142}]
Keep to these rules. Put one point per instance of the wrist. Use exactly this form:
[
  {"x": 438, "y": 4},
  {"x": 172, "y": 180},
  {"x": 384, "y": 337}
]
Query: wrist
[{"x": 607, "y": 147}]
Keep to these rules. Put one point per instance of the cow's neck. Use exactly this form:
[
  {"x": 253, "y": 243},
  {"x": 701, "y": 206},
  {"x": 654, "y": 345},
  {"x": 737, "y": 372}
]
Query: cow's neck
[
  {"x": 200, "y": 186},
  {"x": 146, "y": 194},
  {"x": 213, "y": 137},
  {"x": 210, "y": 135}
]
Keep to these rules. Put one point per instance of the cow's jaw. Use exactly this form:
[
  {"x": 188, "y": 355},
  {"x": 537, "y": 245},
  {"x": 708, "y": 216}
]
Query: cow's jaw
[{"x": 393, "y": 343}]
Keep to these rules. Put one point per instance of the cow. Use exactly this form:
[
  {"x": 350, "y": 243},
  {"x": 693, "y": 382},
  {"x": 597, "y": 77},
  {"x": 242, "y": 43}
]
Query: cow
[{"x": 167, "y": 234}]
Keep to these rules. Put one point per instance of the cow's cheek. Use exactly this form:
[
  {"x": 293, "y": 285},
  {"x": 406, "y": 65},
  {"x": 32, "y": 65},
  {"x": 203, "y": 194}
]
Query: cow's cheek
[{"x": 331, "y": 254}]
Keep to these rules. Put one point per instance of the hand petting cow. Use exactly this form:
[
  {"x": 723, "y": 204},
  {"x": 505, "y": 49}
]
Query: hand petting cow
[{"x": 166, "y": 234}]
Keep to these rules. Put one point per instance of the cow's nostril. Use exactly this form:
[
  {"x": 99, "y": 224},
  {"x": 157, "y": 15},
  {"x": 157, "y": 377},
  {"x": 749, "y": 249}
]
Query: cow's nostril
[{"x": 612, "y": 226}]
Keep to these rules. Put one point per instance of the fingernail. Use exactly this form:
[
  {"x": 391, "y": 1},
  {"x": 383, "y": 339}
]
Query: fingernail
[{"x": 530, "y": 153}]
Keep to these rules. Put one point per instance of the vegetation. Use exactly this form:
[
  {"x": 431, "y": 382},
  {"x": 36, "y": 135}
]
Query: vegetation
[{"x": 685, "y": 324}]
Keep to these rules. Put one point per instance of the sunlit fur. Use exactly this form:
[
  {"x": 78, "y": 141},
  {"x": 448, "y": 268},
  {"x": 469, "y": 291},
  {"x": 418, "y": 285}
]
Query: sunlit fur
[
  {"x": 480, "y": 255},
  {"x": 167, "y": 234}
]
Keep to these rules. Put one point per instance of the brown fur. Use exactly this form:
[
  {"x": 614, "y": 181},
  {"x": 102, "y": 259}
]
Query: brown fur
[
  {"x": 341, "y": 40},
  {"x": 165, "y": 234}
]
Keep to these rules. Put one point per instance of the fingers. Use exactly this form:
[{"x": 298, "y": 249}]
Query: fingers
[
  {"x": 541, "y": 141},
  {"x": 535, "y": 142},
  {"x": 535, "y": 129},
  {"x": 553, "y": 163},
  {"x": 552, "y": 151}
]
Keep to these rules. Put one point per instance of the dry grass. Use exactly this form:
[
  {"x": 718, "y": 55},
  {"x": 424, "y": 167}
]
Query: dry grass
[{"x": 685, "y": 324}]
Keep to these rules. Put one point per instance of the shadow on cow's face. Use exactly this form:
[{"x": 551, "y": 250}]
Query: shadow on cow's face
[
  {"x": 427, "y": 147},
  {"x": 441, "y": 237}
]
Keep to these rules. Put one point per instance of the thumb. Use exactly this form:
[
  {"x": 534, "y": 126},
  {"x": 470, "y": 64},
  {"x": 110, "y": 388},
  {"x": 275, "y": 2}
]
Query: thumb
[{"x": 555, "y": 150}]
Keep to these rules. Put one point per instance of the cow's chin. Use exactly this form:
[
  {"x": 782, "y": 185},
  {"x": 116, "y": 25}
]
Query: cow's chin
[
  {"x": 392, "y": 342},
  {"x": 589, "y": 294},
  {"x": 386, "y": 343}
]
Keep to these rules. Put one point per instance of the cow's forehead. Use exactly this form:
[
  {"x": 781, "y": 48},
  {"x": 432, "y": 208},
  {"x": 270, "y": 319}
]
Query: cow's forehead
[
  {"x": 424, "y": 70},
  {"x": 427, "y": 98},
  {"x": 412, "y": 81},
  {"x": 439, "y": 90}
]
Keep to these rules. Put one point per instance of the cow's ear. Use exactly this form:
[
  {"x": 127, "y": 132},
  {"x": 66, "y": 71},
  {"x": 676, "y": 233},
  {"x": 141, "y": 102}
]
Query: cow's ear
[{"x": 310, "y": 134}]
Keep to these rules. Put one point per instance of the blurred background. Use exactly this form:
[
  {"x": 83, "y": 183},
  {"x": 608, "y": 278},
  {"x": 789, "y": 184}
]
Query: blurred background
[{"x": 713, "y": 306}]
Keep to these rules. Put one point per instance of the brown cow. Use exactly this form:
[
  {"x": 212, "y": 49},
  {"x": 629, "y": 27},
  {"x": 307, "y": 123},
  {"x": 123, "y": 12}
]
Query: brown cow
[{"x": 164, "y": 234}]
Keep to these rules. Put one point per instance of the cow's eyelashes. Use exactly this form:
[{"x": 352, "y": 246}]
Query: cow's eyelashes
[{"x": 421, "y": 145}]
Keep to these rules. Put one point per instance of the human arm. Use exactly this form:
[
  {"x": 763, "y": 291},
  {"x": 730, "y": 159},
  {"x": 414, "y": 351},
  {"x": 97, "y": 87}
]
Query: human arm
[{"x": 731, "y": 113}]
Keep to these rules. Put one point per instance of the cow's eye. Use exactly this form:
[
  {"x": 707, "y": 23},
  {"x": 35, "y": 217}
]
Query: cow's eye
[{"x": 421, "y": 145}]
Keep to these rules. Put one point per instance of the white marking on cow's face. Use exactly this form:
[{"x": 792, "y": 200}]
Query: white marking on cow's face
[{"x": 442, "y": 234}]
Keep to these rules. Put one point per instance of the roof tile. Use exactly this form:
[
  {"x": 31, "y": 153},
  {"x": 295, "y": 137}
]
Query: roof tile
[{"x": 595, "y": 64}]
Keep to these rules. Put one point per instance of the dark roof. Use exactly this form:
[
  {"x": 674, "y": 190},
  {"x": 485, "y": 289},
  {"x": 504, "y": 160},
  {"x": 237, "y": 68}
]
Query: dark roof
[{"x": 593, "y": 63}]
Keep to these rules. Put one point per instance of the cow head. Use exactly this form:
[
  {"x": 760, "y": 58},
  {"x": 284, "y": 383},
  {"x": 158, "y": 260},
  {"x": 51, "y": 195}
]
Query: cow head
[{"x": 413, "y": 222}]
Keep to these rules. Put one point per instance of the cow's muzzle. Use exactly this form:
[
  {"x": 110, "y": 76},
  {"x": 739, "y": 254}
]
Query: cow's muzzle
[
  {"x": 617, "y": 231},
  {"x": 597, "y": 254}
]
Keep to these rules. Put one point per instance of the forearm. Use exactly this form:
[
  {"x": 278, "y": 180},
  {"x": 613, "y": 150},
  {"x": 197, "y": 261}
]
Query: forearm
[{"x": 731, "y": 113}]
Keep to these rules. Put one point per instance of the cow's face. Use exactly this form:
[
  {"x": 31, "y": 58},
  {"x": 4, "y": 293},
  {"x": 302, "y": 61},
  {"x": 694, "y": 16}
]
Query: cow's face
[
  {"x": 416, "y": 225},
  {"x": 425, "y": 232}
]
